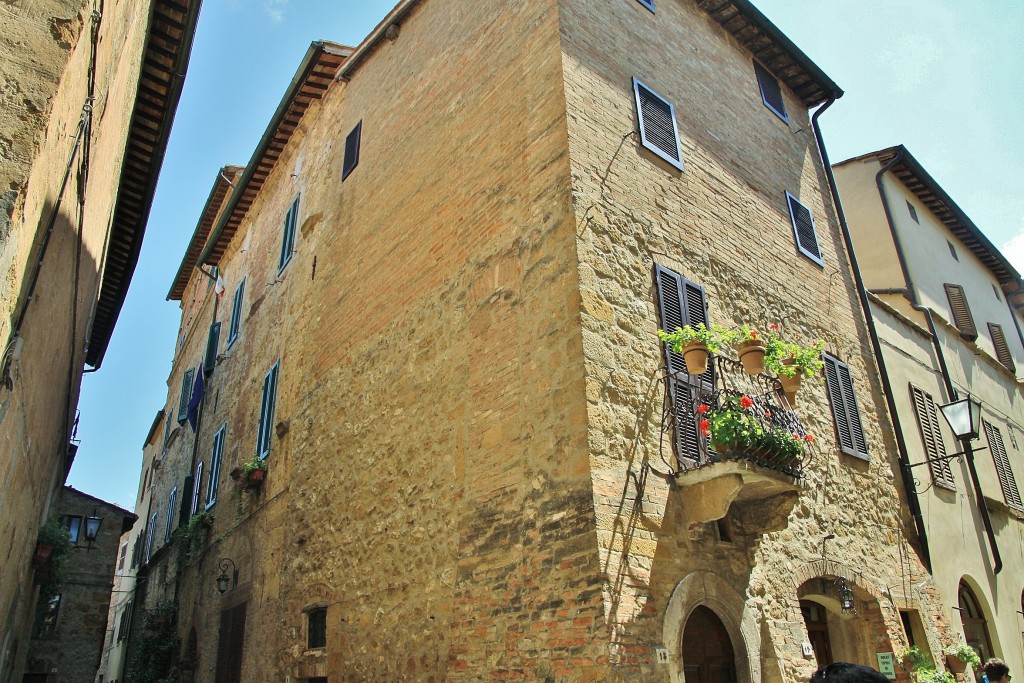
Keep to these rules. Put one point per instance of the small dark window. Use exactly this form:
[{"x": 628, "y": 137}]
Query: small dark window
[
  {"x": 212, "y": 342},
  {"x": 351, "y": 151},
  {"x": 961, "y": 317},
  {"x": 236, "y": 313},
  {"x": 73, "y": 524},
  {"x": 658, "y": 131},
  {"x": 649, "y": 4},
  {"x": 288, "y": 235},
  {"x": 803, "y": 229},
  {"x": 995, "y": 291},
  {"x": 316, "y": 633},
  {"x": 931, "y": 436},
  {"x": 1002, "y": 348},
  {"x": 913, "y": 211},
  {"x": 266, "y": 425},
  {"x": 46, "y": 618},
  {"x": 771, "y": 93},
  {"x": 952, "y": 250},
  {"x": 841, "y": 395}
]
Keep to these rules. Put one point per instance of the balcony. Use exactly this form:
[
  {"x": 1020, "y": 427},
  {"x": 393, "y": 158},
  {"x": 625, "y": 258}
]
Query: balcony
[{"x": 734, "y": 437}]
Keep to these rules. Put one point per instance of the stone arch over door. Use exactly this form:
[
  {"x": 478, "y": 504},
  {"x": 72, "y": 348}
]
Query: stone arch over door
[
  {"x": 976, "y": 618},
  {"x": 703, "y": 589}
]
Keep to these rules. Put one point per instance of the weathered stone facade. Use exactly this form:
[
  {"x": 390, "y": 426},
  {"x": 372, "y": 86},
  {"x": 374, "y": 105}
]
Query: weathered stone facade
[
  {"x": 79, "y": 153},
  {"x": 69, "y": 650},
  {"x": 467, "y": 469}
]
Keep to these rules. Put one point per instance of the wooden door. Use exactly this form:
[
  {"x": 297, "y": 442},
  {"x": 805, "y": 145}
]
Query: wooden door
[
  {"x": 707, "y": 652},
  {"x": 817, "y": 631},
  {"x": 229, "y": 645}
]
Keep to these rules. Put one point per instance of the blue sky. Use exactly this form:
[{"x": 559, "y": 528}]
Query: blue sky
[{"x": 939, "y": 76}]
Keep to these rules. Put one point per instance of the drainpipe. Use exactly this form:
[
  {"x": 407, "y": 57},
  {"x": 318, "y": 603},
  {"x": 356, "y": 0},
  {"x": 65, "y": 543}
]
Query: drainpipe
[
  {"x": 951, "y": 394},
  {"x": 912, "y": 500}
]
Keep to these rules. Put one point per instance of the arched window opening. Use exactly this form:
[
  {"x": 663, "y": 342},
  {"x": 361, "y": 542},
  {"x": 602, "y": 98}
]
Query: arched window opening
[{"x": 973, "y": 619}]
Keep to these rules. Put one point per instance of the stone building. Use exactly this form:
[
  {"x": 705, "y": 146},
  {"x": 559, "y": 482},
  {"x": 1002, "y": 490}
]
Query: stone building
[
  {"x": 66, "y": 637},
  {"x": 946, "y": 310},
  {"x": 437, "y": 339},
  {"x": 89, "y": 91}
]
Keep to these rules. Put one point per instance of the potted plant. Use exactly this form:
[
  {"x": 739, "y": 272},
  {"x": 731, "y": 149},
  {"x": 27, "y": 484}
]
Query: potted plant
[
  {"x": 253, "y": 472},
  {"x": 733, "y": 428},
  {"x": 791, "y": 362},
  {"x": 750, "y": 348},
  {"x": 923, "y": 667},
  {"x": 695, "y": 343},
  {"x": 52, "y": 542},
  {"x": 960, "y": 655}
]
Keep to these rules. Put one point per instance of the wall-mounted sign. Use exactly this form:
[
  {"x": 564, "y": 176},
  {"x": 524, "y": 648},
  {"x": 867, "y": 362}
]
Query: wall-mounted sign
[{"x": 887, "y": 664}]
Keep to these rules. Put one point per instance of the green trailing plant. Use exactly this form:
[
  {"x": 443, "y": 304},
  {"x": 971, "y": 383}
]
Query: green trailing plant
[
  {"x": 713, "y": 338},
  {"x": 788, "y": 359},
  {"x": 734, "y": 427},
  {"x": 747, "y": 334},
  {"x": 189, "y": 538},
  {"x": 51, "y": 576},
  {"x": 923, "y": 667},
  {"x": 963, "y": 652},
  {"x": 154, "y": 657},
  {"x": 246, "y": 480}
]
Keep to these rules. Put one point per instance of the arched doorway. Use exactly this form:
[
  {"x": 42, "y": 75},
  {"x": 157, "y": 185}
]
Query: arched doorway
[
  {"x": 973, "y": 619},
  {"x": 707, "y": 651},
  {"x": 815, "y": 617}
]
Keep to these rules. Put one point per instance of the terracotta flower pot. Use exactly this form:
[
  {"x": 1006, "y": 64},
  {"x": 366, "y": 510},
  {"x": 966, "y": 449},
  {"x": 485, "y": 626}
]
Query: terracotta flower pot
[
  {"x": 955, "y": 664},
  {"x": 41, "y": 558},
  {"x": 751, "y": 353},
  {"x": 791, "y": 385},
  {"x": 696, "y": 356},
  {"x": 256, "y": 476}
]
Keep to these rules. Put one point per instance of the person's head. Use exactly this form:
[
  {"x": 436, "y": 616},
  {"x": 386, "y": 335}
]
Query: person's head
[
  {"x": 996, "y": 671},
  {"x": 845, "y": 672}
]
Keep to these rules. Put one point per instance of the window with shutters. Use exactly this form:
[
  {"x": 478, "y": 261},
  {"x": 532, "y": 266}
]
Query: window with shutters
[
  {"x": 150, "y": 532},
  {"x": 266, "y": 425},
  {"x": 212, "y": 342},
  {"x": 1002, "y": 462},
  {"x": 658, "y": 131},
  {"x": 681, "y": 302},
  {"x": 216, "y": 457},
  {"x": 352, "y": 151},
  {"x": 194, "y": 506},
  {"x": 236, "y": 313},
  {"x": 961, "y": 312},
  {"x": 172, "y": 505},
  {"x": 771, "y": 92},
  {"x": 649, "y": 4},
  {"x": 849, "y": 431},
  {"x": 1002, "y": 348},
  {"x": 952, "y": 250},
  {"x": 291, "y": 219},
  {"x": 913, "y": 211},
  {"x": 931, "y": 436},
  {"x": 186, "y": 394},
  {"x": 316, "y": 628},
  {"x": 122, "y": 557},
  {"x": 804, "y": 230}
]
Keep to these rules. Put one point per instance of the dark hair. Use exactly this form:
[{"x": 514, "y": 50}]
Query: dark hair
[
  {"x": 996, "y": 669},
  {"x": 845, "y": 672}
]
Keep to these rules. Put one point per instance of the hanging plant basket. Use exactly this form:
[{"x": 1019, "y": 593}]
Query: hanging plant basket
[
  {"x": 696, "y": 354},
  {"x": 751, "y": 354},
  {"x": 41, "y": 558}
]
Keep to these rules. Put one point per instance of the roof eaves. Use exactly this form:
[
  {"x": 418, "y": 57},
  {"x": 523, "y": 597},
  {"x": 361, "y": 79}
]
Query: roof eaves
[
  {"x": 380, "y": 32},
  {"x": 779, "y": 54},
  {"x": 234, "y": 212},
  {"x": 169, "y": 21}
]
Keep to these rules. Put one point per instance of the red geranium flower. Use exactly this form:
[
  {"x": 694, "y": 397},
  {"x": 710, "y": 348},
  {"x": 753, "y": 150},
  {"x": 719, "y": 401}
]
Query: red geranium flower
[
  {"x": 705, "y": 427},
  {"x": 796, "y": 436},
  {"x": 702, "y": 409},
  {"x": 773, "y": 327},
  {"x": 767, "y": 413},
  {"x": 746, "y": 402},
  {"x": 809, "y": 438}
]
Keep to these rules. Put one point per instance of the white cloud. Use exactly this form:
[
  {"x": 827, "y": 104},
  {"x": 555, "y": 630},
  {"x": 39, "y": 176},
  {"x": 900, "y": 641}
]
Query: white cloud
[
  {"x": 1013, "y": 250},
  {"x": 275, "y": 9}
]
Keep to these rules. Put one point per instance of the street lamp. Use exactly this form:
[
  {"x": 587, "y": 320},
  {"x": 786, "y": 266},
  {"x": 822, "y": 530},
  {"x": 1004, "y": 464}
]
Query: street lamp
[
  {"x": 845, "y": 596},
  {"x": 224, "y": 582},
  {"x": 964, "y": 417}
]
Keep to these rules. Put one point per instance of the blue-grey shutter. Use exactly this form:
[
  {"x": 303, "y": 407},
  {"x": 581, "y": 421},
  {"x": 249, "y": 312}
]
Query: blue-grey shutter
[
  {"x": 212, "y": 342},
  {"x": 771, "y": 92},
  {"x": 186, "y": 394},
  {"x": 658, "y": 131},
  {"x": 352, "y": 150},
  {"x": 803, "y": 229},
  {"x": 839, "y": 382},
  {"x": 266, "y": 425}
]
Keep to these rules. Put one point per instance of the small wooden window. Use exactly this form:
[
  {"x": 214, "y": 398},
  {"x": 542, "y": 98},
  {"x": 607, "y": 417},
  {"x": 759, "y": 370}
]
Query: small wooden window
[
  {"x": 952, "y": 251},
  {"x": 931, "y": 436},
  {"x": 266, "y": 425},
  {"x": 316, "y": 628},
  {"x": 1002, "y": 348},
  {"x": 196, "y": 490},
  {"x": 995, "y": 291},
  {"x": 913, "y": 212},
  {"x": 649, "y": 4},
  {"x": 962, "y": 317},
  {"x": 212, "y": 342},
  {"x": 352, "y": 150},
  {"x": 216, "y": 457},
  {"x": 841, "y": 395},
  {"x": 236, "y": 313},
  {"x": 1002, "y": 462},
  {"x": 186, "y": 394},
  {"x": 803, "y": 229},
  {"x": 771, "y": 92},
  {"x": 658, "y": 131},
  {"x": 288, "y": 235},
  {"x": 172, "y": 504}
]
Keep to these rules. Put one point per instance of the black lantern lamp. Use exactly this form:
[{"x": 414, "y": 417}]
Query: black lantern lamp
[
  {"x": 964, "y": 417},
  {"x": 845, "y": 595},
  {"x": 92, "y": 529},
  {"x": 225, "y": 582}
]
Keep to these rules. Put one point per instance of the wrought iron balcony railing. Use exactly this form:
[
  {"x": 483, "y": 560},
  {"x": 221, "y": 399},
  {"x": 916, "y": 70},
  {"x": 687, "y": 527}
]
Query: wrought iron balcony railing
[{"x": 725, "y": 414}]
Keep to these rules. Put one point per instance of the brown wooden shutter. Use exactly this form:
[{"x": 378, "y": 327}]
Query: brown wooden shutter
[
  {"x": 1002, "y": 462},
  {"x": 931, "y": 435},
  {"x": 1002, "y": 349},
  {"x": 230, "y": 642},
  {"x": 803, "y": 229},
  {"x": 962, "y": 317},
  {"x": 352, "y": 150},
  {"x": 841, "y": 394}
]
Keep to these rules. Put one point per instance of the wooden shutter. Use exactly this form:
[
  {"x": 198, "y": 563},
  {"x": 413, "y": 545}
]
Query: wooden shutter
[
  {"x": 1006, "y": 480},
  {"x": 962, "y": 317},
  {"x": 230, "y": 643},
  {"x": 844, "y": 407},
  {"x": 352, "y": 150},
  {"x": 212, "y": 342},
  {"x": 1002, "y": 349},
  {"x": 266, "y": 425},
  {"x": 649, "y": 4},
  {"x": 658, "y": 131},
  {"x": 288, "y": 235},
  {"x": 186, "y": 394},
  {"x": 803, "y": 229},
  {"x": 681, "y": 302},
  {"x": 236, "y": 312},
  {"x": 197, "y": 481},
  {"x": 931, "y": 435},
  {"x": 771, "y": 93}
]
